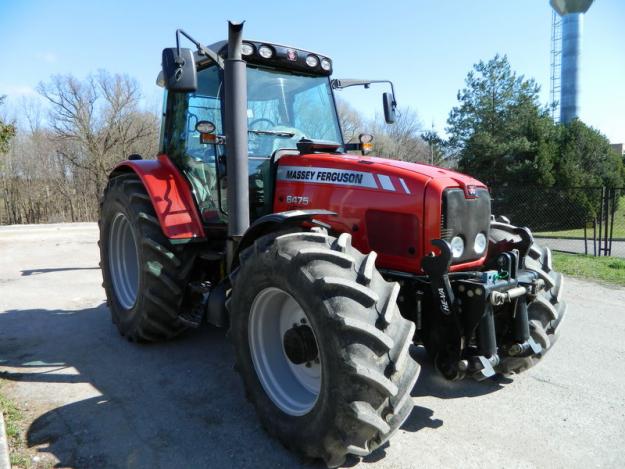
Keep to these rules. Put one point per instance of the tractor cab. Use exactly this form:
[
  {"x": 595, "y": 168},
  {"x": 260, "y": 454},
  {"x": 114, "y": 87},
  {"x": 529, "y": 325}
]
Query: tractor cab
[{"x": 289, "y": 98}]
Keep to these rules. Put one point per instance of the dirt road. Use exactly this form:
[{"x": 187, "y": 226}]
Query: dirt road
[{"x": 91, "y": 399}]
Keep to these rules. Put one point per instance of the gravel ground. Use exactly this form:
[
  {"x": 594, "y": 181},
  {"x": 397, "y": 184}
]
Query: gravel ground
[{"x": 91, "y": 399}]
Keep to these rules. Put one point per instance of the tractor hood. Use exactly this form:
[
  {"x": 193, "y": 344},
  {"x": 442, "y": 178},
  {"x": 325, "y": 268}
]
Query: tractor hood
[{"x": 392, "y": 207}]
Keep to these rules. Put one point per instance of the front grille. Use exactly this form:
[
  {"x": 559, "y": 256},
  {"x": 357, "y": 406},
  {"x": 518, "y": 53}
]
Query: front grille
[{"x": 465, "y": 217}]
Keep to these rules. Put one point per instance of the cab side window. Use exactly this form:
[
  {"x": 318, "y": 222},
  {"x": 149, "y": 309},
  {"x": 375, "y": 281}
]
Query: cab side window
[{"x": 181, "y": 141}]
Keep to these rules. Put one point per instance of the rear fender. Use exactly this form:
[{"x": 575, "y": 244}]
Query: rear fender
[{"x": 170, "y": 195}]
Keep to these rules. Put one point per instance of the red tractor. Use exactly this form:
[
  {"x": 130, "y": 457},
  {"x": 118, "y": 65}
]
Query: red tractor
[{"x": 325, "y": 266}]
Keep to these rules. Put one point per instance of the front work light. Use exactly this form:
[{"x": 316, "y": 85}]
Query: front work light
[
  {"x": 480, "y": 243},
  {"x": 247, "y": 49},
  {"x": 265, "y": 52},
  {"x": 457, "y": 246},
  {"x": 312, "y": 61}
]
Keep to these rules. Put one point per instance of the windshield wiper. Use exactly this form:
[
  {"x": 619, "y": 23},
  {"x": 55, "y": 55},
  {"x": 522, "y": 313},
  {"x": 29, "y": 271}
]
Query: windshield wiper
[{"x": 277, "y": 133}]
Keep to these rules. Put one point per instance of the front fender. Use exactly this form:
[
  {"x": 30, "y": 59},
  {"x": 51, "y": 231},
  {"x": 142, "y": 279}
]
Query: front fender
[
  {"x": 274, "y": 222},
  {"x": 170, "y": 195}
]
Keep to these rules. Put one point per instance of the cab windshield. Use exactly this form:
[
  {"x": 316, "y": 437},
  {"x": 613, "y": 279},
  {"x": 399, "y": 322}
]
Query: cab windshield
[{"x": 283, "y": 108}]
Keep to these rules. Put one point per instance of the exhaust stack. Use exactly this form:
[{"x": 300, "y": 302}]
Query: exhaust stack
[{"x": 235, "y": 82}]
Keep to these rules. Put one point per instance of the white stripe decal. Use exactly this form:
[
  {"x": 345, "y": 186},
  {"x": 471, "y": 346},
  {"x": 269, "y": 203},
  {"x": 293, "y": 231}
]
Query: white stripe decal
[
  {"x": 386, "y": 182},
  {"x": 326, "y": 176},
  {"x": 404, "y": 185}
]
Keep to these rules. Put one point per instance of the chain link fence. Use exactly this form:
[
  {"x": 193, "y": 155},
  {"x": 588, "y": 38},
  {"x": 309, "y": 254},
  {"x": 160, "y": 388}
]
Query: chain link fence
[{"x": 585, "y": 220}]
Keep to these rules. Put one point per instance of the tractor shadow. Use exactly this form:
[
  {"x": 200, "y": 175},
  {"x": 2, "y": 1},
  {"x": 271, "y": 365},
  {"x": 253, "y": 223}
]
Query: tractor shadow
[
  {"x": 28, "y": 272},
  {"x": 431, "y": 383},
  {"x": 173, "y": 404}
]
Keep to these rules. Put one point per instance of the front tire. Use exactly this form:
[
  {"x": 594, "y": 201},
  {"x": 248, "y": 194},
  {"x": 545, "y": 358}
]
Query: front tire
[
  {"x": 546, "y": 312},
  {"x": 144, "y": 274},
  {"x": 321, "y": 346}
]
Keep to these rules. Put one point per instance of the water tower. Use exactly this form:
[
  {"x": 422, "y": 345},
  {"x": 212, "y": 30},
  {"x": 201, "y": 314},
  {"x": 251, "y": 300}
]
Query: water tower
[{"x": 572, "y": 14}]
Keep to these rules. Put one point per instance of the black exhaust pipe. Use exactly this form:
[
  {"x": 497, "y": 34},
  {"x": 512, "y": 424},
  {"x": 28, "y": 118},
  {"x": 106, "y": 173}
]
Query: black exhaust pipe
[{"x": 235, "y": 83}]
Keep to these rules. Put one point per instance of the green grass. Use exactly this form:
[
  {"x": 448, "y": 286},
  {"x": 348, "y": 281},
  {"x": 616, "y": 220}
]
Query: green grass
[
  {"x": 13, "y": 420},
  {"x": 601, "y": 269}
]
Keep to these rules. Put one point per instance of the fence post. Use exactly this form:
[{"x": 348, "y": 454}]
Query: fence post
[
  {"x": 606, "y": 218},
  {"x": 594, "y": 236},
  {"x": 601, "y": 220},
  {"x": 612, "y": 211}
]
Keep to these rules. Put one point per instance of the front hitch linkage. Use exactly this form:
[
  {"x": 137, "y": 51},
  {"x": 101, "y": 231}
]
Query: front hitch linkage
[{"x": 469, "y": 312}]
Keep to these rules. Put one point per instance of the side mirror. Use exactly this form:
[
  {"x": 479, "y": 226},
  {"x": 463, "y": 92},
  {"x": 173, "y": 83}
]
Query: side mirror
[
  {"x": 179, "y": 72},
  {"x": 388, "y": 101}
]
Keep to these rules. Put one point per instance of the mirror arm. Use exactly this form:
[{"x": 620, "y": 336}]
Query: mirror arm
[
  {"x": 339, "y": 84},
  {"x": 201, "y": 49}
]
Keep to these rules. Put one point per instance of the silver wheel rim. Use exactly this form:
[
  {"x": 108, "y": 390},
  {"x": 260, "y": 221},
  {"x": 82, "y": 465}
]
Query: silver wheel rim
[
  {"x": 293, "y": 388},
  {"x": 123, "y": 261}
]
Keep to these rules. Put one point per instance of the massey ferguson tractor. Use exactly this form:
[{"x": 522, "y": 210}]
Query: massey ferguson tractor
[{"x": 325, "y": 265}]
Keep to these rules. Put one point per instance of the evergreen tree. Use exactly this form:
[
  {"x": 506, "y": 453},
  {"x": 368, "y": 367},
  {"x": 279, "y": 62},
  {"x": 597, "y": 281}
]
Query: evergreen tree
[
  {"x": 500, "y": 131},
  {"x": 7, "y": 131}
]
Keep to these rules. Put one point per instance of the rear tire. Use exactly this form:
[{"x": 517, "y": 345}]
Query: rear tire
[
  {"x": 144, "y": 274},
  {"x": 545, "y": 313},
  {"x": 366, "y": 373}
]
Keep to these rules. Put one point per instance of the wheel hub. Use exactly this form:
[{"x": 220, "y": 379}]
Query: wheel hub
[
  {"x": 123, "y": 261},
  {"x": 300, "y": 345},
  {"x": 284, "y": 351}
]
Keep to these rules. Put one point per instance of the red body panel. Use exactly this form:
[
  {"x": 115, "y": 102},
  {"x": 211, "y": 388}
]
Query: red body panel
[
  {"x": 392, "y": 207},
  {"x": 170, "y": 195}
]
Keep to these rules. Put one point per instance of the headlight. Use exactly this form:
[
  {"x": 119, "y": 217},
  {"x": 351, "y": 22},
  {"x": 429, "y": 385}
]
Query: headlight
[
  {"x": 312, "y": 61},
  {"x": 457, "y": 246},
  {"x": 480, "y": 243},
  {"x": 247, "y": 49},
  {"x": 265, "y": 52},
  {"x": 326, "y": 64}
]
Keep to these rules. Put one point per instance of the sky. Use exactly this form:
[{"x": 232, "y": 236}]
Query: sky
[{"x": 426, "y": 47}]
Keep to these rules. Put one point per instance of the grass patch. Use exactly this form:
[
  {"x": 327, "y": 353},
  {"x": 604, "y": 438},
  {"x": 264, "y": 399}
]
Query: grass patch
[
  {"x": 602, "y": 269},
  {"x": 13, "y": 422}
]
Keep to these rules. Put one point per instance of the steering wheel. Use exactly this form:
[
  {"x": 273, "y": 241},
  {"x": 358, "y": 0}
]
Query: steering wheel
[{"x": 262, "y": 119}]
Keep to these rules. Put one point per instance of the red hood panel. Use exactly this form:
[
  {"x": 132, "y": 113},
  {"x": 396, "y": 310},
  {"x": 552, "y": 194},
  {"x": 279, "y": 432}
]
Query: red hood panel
[{"x": 392, "y": 207}]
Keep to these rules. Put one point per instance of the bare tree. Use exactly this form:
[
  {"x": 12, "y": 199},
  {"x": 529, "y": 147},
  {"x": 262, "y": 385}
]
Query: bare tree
[
  {"x": 96, "y": 123},
  {"x": 401, "y": 140},
  {"x": 352, "y": 123},
  {"x": 57, "y": 171}
]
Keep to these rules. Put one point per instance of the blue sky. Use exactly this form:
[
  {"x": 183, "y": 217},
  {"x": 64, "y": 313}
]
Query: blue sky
[{"x": 425, "y": 46}]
